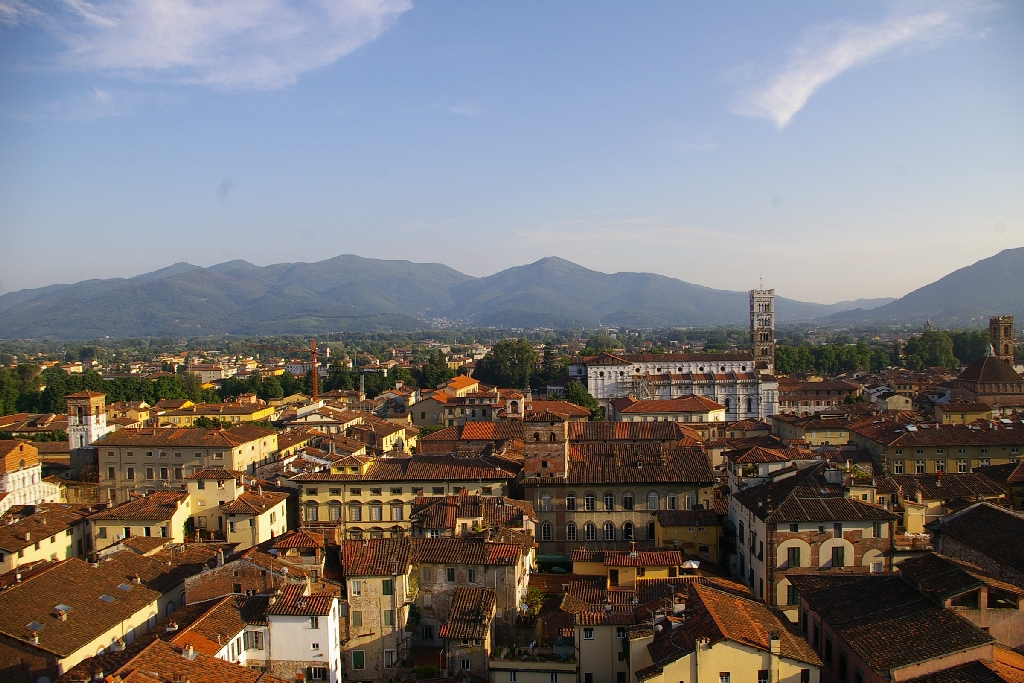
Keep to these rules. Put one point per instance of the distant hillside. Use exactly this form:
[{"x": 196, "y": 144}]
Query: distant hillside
[
  {"x": 343, "y": 293},
  {"x": 359, "y": 294},
  {"x": 965, "y": 297},
  {"x": 554, "y": 292}
]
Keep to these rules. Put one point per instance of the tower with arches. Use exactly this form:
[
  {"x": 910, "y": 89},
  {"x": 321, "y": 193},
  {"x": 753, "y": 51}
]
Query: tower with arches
[
  {"x": 546, "y": 446},
  {"x": 762, "y": 329},
  {"x": 1000, "y": 336}
]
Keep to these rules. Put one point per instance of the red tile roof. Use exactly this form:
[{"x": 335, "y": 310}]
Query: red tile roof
[
  {"x": 293, "y": 601},
  {"x": 684, "y": 404},
  {"x": 464, "y": 551},
  {"x": 376, "y": 557},
  {"x": 469, "y": 615},
  {"x": 156, "y": 506}
]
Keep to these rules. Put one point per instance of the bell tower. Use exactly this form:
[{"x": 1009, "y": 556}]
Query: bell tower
[
  {"x": 546, "y": 446},
  {"x": 1000, "y": 336},
  {"x": 762, "y": 329},
  {"x": 87, "y": 418}
]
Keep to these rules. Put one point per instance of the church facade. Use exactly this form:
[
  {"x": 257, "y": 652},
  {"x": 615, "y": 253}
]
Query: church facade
[{"x": 741, "y": 381}]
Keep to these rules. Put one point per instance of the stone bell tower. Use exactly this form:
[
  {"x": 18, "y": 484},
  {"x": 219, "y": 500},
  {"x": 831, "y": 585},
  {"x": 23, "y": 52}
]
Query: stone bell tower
[
  {"x": 87, "y": 418},
  {"x": 1000, "y": 336},
  {"x": 762, "y": 329},
  {"x": 546, "y": 446}
]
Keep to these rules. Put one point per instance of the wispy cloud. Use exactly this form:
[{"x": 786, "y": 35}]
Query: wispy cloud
[
  {"x": 94, "y": 103},
  {"x": 827, "y": 51},
  {"x": 228, "y": 44},
  {"x": 467, "y": 109}
]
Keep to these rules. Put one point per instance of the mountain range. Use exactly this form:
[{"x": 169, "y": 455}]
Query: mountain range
[{"x": 360, "y": 294}]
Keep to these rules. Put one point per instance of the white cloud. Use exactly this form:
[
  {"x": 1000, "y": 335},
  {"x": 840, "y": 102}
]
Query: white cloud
[
  {"x": 827, "y": 51},
  {"x": 228, "y": 44},
  {"x": 467, "y": 109}
]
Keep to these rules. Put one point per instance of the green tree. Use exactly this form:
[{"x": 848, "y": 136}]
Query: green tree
[
  {"x": 578, "y": 394},
  {"x": 435, "y": 371},
  {"x": 508, "y": 364}
]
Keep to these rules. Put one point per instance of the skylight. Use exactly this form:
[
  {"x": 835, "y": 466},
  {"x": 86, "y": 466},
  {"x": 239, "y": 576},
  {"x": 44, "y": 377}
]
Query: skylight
[
  {"x": 124, "y": 586},
  {"x": 106, "y": 598},
  {"x": 34, "y": 626}
]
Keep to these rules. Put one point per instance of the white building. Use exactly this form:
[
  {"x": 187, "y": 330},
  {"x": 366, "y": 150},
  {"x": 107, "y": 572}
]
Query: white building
[
  {"x": 21, "y": 477},
  {"x": 87, "y": 418},
  {"x": 304, "y": 635}
]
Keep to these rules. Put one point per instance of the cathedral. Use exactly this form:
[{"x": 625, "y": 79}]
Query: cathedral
[{"x": 741, "y": 381}]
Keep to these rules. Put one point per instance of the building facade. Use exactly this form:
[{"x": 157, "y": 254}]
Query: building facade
[{"x": 762, "y": 328}]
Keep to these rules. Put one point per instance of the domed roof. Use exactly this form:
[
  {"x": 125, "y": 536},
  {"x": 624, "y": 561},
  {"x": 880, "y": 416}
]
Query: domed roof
[{"x": 989, "y": 369}]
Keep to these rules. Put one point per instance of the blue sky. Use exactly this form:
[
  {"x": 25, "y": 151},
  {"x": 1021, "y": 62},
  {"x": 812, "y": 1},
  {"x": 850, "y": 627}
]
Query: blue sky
[{"x": 841, "y": 150}]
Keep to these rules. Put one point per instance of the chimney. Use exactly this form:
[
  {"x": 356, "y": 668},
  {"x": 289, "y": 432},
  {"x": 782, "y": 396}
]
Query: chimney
[
  {"x": 189, "y": 653},
  {"x": 220, "y": 557},
  {"x": 136, "y": 579},
  {"x": 28, "y": 535}
]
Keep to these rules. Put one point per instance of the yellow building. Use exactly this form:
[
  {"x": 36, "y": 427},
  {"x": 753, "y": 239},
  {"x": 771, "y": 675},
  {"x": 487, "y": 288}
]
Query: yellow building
[
  {"x": 685, "y": 409},
  {"x": 814, "y": 430},
  {"x": 728, "y": 637},
  {"x": 962, "y": 413},
  {"x": 622, "y": 568},
  {"x": 161, "y": 514},
  {"x": 930, "y": 448},
  {"x": 695, "y": 532},
  {"x": 53, "y": 531},
  {"x": 372, "y": 497},
  {"x": 136, "y": 461},
  {"x": 223, "y": 507},
  {"x": 231, "y": 413}
]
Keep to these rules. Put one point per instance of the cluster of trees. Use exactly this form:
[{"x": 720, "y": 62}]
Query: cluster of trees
[
  {"x": 937, "y": 348},
  {"x": 514, "y": 363},
  {"x": 829, "y": 358},
  {"x": 27, "y": 390}
]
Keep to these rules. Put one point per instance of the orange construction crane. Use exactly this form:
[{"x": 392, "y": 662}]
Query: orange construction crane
[{"x": 311, "y": 351}]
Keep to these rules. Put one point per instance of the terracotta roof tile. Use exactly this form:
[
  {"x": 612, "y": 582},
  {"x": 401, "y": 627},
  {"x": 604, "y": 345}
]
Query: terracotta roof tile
[
  {"x": 376, "y": 557},
  {"x": 469, "y": 615}
]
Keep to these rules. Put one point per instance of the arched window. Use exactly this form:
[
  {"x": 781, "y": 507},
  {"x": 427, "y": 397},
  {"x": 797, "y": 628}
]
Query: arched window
[
  {"x": 609, "y": 531},
  {"x": 589, "y": 501},
  {"x": 627, "y": 500},
  {"x": 627, "y": 531},
  {"x": 728, "y": 405},
  {"x": 551, "y": 436},
  {"x": 652, "y": 500},
  {"x": 355, "y": 513},
  {"x": 671, "y": 501},
  {"x": 536, "y": 436},
  {"x": 650, "y": 531},
  {"x": 545, "y": 502},
  {"x": 514, "y": 407},
  {"x": 609, "y": 501},
  {"x": 570, "y": 532},
  {"x": 334, "y": 511},
  {"x": 590, "y": 532},
  {"x": 570, "y": 501},
  {"x": 750, "y": 405},
  {"x": 545, "y": 531}
]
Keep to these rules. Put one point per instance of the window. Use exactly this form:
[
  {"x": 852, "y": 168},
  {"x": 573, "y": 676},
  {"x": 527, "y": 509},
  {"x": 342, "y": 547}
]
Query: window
[
  {"x": 723, "y": 677},
  {"x": 652, "y": 500},
  {"x": 609, "y": 531},
  {"x": 762, "y": 676},
  {"x": 150, "y": 472},
  {"x": 428, "y": 632},
  {"x": 111, "y": 473},
  {"x": 449, "y": 574},
  {"x": 314, "y": 622},
  {"x": 314, "y": 646},
  {"x": 389, "y": 617},
  {"x": 961, "y": 466},
  {"x": 897, "y": 467},
  {"x": 983, "y": 462},
  {"x": 389, "y": 658},
  {"x": 620, "y": 632},
  {"x": 471, "y": 575},
  {"x": 570, "y": 501},
  {"x": 838, "y": 556},
  {"x": 837, "y": 529},
  {"x": 357, "y": 619},
  {"x": 670, "y": 501},
  {"x": 919, "y": 467},
  {"x": 253, "y": 640},
  {"x": 545, "y": 503},
  {"x": 553, "y": 677},
  {"x": 588, "y": 678},
  {"x": 318, "y": 673},
  {"x": 876, "y": 529},
  {"x": 627, "y": 531},
  {"x": 589, "y": 501},
  {"x": 464, "y": 665},
  {"x": 356, "y": 587},
  {"x": 793, "y": 558},
  {"x": 163, "y": 473},
  {"x": 792, "y": 596},
  {"x": 589, "y": 532},
  {"x": 376, "y": 513},
  {"x": 545, "y": 531},
  {"x": 396, "y": 513},
  {"x": 358, "y": 659},
  {"x": 627, "y": 501},
  {"x": 940, "y": 466},
  {"x": 511, "y": 677},
  {"x": 805, "y": 676},
  {"x": 588, "y": 634},
  {"x": 386, "y": 587},
  {"x": 609, "y": 501},
  {"x": 570, "y": 532}
]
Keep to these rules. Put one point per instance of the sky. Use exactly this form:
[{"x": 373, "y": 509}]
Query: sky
[{"x": 838, "y": 150}]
